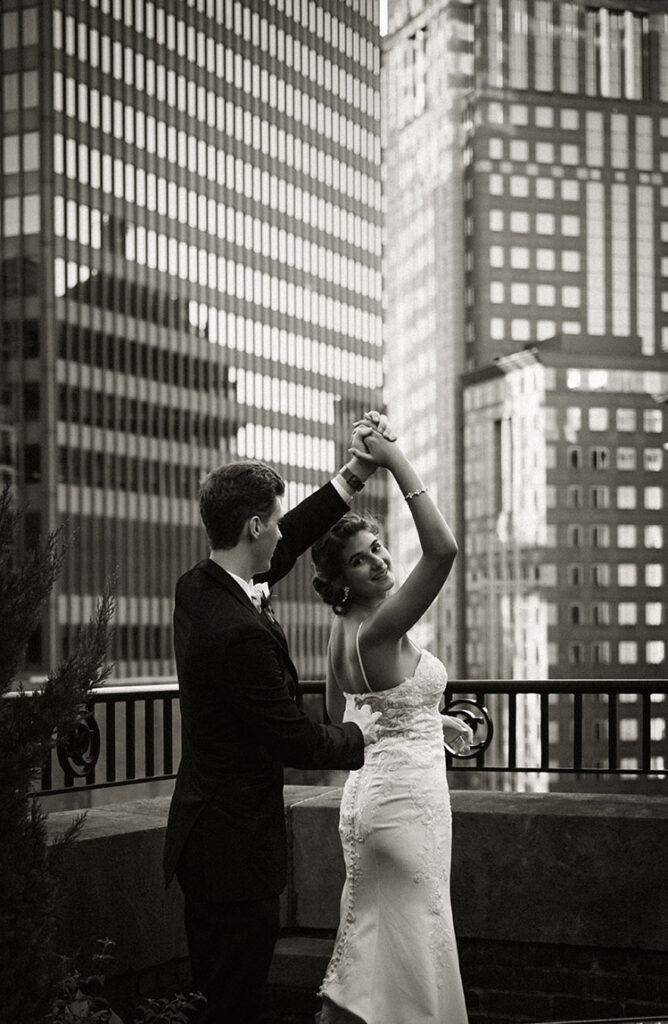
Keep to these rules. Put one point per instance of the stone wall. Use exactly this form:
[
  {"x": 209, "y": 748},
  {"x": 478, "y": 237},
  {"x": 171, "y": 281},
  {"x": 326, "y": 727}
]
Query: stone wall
[{"x": 560, "y": 902}]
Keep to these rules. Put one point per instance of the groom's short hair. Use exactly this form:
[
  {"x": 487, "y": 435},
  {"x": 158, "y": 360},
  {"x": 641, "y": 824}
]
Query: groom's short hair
[{"x": 230, "y": 495}]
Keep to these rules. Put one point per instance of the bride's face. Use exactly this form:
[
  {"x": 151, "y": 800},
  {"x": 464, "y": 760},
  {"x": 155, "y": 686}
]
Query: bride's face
[{"x": 367, "y": 567}]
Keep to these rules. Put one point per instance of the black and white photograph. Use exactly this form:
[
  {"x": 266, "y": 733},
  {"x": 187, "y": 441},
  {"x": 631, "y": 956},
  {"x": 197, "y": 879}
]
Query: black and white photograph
[{"x": 333, "y": 446}]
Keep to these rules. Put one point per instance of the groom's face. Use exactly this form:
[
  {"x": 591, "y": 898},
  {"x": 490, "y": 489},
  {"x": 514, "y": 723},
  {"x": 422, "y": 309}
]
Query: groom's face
[{"x": 268, "y": 538}]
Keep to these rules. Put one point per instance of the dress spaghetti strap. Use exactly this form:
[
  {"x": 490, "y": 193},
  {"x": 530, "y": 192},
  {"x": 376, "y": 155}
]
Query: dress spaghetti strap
[{"x": 359, "y": 658}]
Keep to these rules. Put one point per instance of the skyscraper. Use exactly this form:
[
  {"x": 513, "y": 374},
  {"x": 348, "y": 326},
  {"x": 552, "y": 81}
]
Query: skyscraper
[
  {"x": 526, "y": 151},
  {"x": 190, "y": 242}
]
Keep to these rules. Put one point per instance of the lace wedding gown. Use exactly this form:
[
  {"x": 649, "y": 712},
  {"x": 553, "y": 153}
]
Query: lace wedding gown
[{"x": 395, "y": 957}]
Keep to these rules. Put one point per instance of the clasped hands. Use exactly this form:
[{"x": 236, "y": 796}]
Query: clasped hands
[{"x": 373, "y": 424}]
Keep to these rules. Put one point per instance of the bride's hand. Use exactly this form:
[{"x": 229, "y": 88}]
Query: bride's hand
[{"x": 456, "y": 734}]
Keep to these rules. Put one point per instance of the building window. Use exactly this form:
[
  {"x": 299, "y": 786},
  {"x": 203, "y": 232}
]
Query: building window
[
  {"x": 496, "y": 256},
  {"x": 519, "y": 294},
  {"x": 628, "y": 652},
  {"x": 568, "y": 71},
  {"x": 654, "y": 574},
  {"x": 575, "y": 614},
  {"x": 598, "y": 418},
  {"x": 601, "y": 652},
  {"x": 626, "y": 458},
  {"x": 574, "y": 535},
  {"x": 544, "y": 153},
  {"x": 600, "y": 496},
  {"x": 544, "y": 188},
  {"x": 545, "y": 223},
  {"x": 600, "y": 536},
  {"x": 627, "y": 574},
  {"x": 653, "y": 536},
  {"x": 600, "y": 574},
  {"x": 626, "y": 497},
  {"x": 600, "y": 613},
  {"x": 653, "y": 460},
  {"x": 570, "y": 260},
  {"x": 652, "y": 421},
  {"x": 626, "y": 536},
  {"x": 614, "y": 47},
  {"x": 653, "y": 497},
  {"x": 576, "y": 654},
  {"x": 520, "y": 330},
  {"x": 496, "y": 184},
  {"x": 628, "y": 730},
  {"x": 574, "y": 457},
  {"x": 655, "y": 654},
  {"x": 519, "y": 222},
  {"x": 574, "y": 496},
  {"x": 497, "y": 328},
  {"x": 654, "y": 613},
  {"x": 600, "y": 458},
  {"x": 627, "y": 613},
  {"x": 595, "y": 243},
  {"x": 574, "y": 573}
]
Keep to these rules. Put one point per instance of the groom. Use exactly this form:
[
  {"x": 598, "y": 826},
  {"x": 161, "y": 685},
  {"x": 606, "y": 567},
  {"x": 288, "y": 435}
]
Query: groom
[{"x": 226, "y": 839}]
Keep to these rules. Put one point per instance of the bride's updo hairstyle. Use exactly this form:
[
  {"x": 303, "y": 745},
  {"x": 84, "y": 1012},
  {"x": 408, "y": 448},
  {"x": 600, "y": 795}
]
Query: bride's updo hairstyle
[{"x": 327, "y": 555}]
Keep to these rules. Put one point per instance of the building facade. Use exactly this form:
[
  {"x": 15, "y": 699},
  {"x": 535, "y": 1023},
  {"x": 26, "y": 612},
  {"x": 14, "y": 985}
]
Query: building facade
[
  {"x": 564, "y": 512},
  {"x": 527, "y": 198},
  {"x": 190, "y": 241}
]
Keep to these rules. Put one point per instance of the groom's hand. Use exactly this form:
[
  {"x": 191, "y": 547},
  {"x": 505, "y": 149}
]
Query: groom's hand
[{"x": 365, "y": 719}]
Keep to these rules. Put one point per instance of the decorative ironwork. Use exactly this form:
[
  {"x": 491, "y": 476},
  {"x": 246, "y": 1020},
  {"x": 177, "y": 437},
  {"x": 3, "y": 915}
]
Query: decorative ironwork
[{"x": 79, "y": 749}]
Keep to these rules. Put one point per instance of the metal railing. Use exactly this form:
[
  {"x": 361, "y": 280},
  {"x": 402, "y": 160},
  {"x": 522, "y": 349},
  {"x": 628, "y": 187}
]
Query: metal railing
[{"x": 129, "y": 731}]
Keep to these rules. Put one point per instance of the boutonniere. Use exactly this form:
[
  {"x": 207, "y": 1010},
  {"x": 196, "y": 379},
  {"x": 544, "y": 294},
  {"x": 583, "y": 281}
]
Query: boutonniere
[{"x": 264, "y": 594}]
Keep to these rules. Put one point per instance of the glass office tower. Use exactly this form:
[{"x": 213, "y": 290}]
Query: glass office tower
[{"x": 190, "y": 237}]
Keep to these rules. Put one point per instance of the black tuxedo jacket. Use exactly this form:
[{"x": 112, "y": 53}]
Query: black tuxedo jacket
[{"x": 241, "y": 724}]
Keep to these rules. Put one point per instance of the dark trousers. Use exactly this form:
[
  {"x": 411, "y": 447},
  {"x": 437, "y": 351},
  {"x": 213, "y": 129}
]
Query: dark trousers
[{"x": 231, "y": 946}]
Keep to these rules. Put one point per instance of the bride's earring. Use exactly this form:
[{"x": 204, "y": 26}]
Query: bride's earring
[{"x": 346, "y": 595}]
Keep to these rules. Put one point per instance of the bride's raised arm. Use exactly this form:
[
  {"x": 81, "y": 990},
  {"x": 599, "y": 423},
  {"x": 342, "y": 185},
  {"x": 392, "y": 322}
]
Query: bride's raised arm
[{"x": 399, "y": 612}]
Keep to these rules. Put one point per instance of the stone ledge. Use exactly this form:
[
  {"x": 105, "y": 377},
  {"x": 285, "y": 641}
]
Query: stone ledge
[
  {"x": 546, "y": 868},
  {"x": 300, "y": 961},
  {"x": 557, "y": 868}
]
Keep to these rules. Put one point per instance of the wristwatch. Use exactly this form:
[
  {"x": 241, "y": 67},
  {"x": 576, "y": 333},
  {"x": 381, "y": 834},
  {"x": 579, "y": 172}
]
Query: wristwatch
[{"x": 351, "y": 478}]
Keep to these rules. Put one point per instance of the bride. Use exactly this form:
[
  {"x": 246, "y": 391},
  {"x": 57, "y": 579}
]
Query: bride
[{"x": 395, "y": 957}]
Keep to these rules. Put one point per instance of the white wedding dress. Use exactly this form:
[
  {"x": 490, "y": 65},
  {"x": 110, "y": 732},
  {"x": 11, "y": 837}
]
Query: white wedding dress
[{"x": 395, "y": 957}]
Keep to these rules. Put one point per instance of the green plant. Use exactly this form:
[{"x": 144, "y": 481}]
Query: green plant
[
  {"x": 79, "y": 999},
  {"x": 74, "y": 1001},
  {"x": 35, "y": 983},
  {"x": 168, "y": 1011},
  {"x": 29, "y": 726}
]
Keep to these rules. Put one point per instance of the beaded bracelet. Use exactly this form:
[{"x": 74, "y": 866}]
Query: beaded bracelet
[{"x": 414, "y": 494}]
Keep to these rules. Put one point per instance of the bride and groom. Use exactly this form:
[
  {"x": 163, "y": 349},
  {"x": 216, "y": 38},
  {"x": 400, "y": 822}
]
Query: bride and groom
[{"x": 395, "y": 959}]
